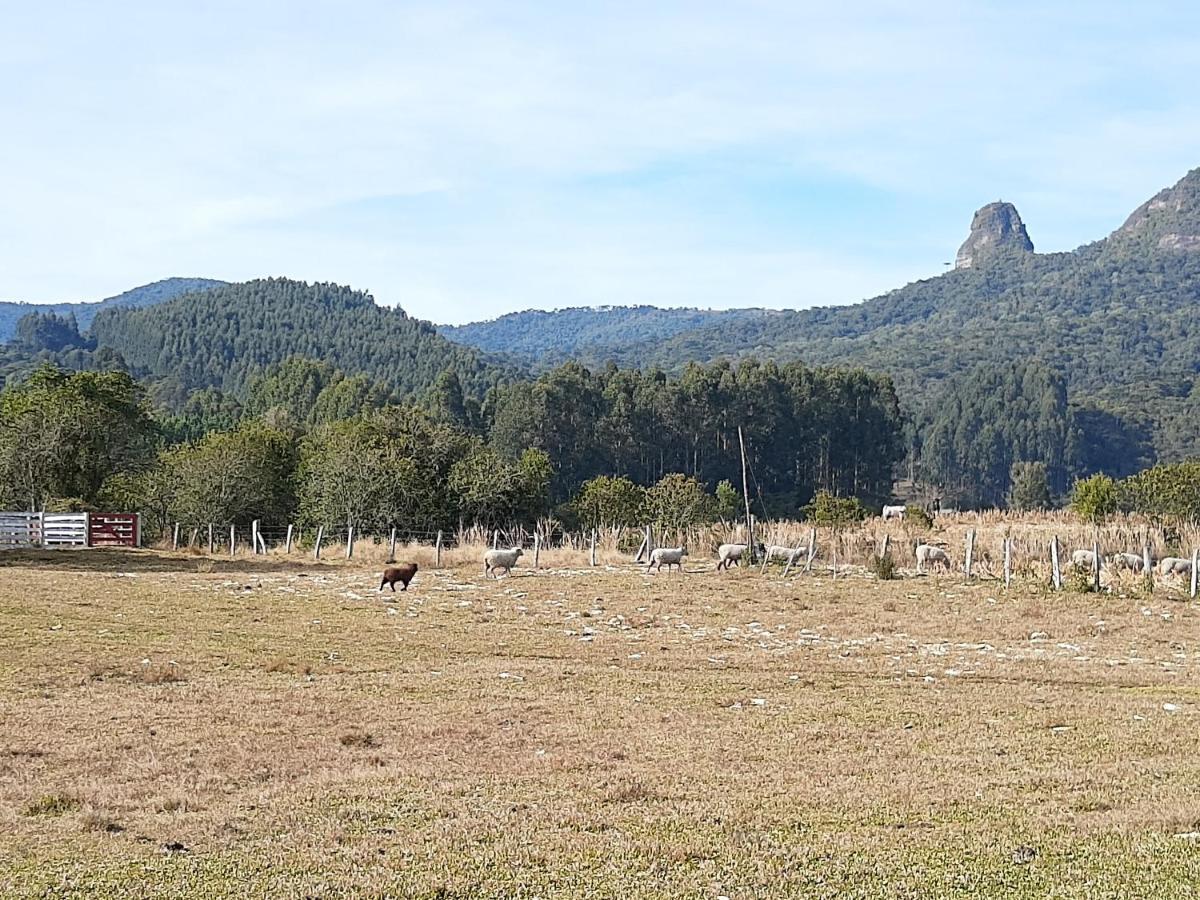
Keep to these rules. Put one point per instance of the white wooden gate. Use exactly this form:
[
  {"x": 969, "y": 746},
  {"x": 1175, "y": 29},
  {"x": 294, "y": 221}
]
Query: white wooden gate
[{"x": 61, "y": 530}]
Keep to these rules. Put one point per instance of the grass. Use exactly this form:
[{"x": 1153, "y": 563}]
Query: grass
[{"x": 588, "y": 733}]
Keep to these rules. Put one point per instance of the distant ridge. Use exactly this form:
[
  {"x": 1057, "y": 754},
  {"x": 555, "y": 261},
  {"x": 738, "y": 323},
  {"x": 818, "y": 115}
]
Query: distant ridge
[{"x": 84, "y": 312}]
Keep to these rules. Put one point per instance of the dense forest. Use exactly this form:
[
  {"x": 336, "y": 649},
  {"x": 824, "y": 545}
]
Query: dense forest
[
  {"x": 83, "y": 313},
  {"x": 315, "y": 445}
]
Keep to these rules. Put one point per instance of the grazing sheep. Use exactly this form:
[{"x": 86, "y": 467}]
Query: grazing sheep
[
  {"x": 671, "y": 556},
  {"x": 927, "y": 553},
  {"x": 1083, "y": 559},
  {"x": 893, "y": 512},
  {"x": 728, "y": 554},
  {"x": 1174, "y": 565},
  {"x": 1132, "y": 561},
  {"x": 774, "y": 551},
  {"x": 495, "y": 560},
  {"x": 402, "y": 573}
]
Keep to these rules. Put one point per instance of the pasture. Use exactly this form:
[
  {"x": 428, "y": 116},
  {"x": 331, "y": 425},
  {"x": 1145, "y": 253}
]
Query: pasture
[{"x": 173, "y": 726}]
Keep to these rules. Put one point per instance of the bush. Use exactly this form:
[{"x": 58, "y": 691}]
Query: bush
[
  {"x": 883, "y": 567},
  {"x": 1030, "y": 486},
  {"x": 1164, "y": 492},
  {"x": 1095, "y": 499},
  {"x": 826, "y": 509},
  {"x": 918, "y": 517},
  {"x": 678, "y": 501}
]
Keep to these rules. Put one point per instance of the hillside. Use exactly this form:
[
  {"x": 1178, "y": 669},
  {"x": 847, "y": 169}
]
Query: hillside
[
  {"x": 220, "y": 338},
  {"x": 586, "y": 334},
  {"x": 1115, "y": 317},
  {"x": 85, "y": 312}
]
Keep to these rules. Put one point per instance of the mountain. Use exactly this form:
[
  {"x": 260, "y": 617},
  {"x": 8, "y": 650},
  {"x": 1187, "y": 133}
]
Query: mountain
[
  {"x": 586, "y": 334},
  {"x": 223, "y": 337},
  {"x": 85, "y": 312},
  {"x": 996, "y": 228}
]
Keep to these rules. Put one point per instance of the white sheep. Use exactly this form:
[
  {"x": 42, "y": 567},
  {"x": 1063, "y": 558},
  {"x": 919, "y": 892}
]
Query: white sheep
[
  {"x": 1083, "y": 559},
  {"x": 893, "y": 512},
  {"x": 791, "y": 554},
  {"x": 927, "y": 553},
  {"x": 1132, "y": 561},
  {"x": 671, "y": 556},
  {"x": 494, "y": 560},
  {"x": 1174, "y": 565},
  {"x": 728, "y": 554}
]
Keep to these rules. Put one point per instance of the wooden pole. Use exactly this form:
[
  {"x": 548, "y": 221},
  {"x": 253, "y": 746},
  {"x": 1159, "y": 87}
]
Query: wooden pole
[
  {"x": 392, "y": 549},
  {"x": 1055, "y": 571},
  {"x": 212, "y": 547},
  {"x": 537, "y": 549},
  {"x": 288, "y": 541},
  {"x": 192, "y": 539},
  {"x": 1195, "y": 565},
  {"x": 254, "y": 537},
  {"x": 437, "y": 551},
  {"x": 349, "y": 541},
  {"x": 232, "y": 539},
  {"x": 1096, "y": 566},
  {"x": 317, "y": 545},
  {"x": 641, "y": 549},
  {"x": 1007, "y": 562},
  {"x": 1146, "y": 570},
  {"x": 262, "y": 544},
  {"x": 496, "y": 539},
  {"x": 175, "y": 538},
  {"x": 884, "y": 547},
  {"x": 970, "y": 552},
  {"x": 812, "y": 549},
  {"x": 593, "y": 546},
  {"x": 746, "y": 494}
]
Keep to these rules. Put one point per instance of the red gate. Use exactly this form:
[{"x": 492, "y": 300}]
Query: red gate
[{"x": 114, "y": 530}]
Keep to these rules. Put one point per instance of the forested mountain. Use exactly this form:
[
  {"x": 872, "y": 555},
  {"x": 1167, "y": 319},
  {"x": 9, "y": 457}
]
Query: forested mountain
[
  {"x": 590, "y": 335},
  {"x": 223, "y": 337},
  {"x": 1115, "y": 318},
  {"x": 146, "y": 295}
]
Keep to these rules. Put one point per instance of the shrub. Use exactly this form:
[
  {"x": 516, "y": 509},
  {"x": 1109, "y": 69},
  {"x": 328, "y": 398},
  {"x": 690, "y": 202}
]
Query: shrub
[
  {"x": 826, "y": 509},
  {"x": 1095, "y": 499},
  {"x": 883, "y": 567},
  {"x": 1030, "y": 486},
  {"x": 918, "y": 517},
  {"x": 1165, "y": 492}
]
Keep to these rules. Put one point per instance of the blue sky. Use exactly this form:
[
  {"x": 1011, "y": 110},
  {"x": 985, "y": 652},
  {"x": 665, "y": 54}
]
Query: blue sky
[{"x": 470, "y": 159}]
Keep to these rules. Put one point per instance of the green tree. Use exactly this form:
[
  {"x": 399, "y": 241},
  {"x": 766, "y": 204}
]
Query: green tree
[
  {"x": 607, "y": 501},
  {"x": 1030, "y": 486},
  {"x": 678, "y": 501},
  {"x": 830, "y": 510},
  {"x": 729, "y": 503},
  {"x": 1166, "y": 492},
  {"x": 1096, "y": 498}
]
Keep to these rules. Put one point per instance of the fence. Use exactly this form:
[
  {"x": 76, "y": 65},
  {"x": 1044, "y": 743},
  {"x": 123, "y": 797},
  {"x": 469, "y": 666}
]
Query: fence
[{"x": 60, "y": 531}]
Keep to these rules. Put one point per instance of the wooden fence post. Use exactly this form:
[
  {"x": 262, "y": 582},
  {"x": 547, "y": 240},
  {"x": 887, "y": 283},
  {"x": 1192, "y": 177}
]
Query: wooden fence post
[
  {"x": 593, "y": 546},
  {"x": 317, "y": 545},
  {"x": 254, "y": 537},
  {"x": 1055, "y": 571},
  {"x": 1195, "y": 565},
  {"x": 192, "y": 539},
  {"x": 1096, "y": 566},
  {"x": 537, "y": 548},
  {"x": 262, "y": 543},
  {"x": 349, "y": 541},
  {"x": 288, "y": 541},
  {"x": 392, "y": 551},
  {"x": 1007, "y": 562},
  {"x": 232, "y": 539},
  {"x": 1146, "y": 570},
  {"x": 437, "y": 550},
  {"x": 970, "y": 552},
  {"x": 812, "y": 549},
  {"x": 212, "y": 547},
  {"x": 496, "y": 539},
  {"x": 175, "y": 538},
  {"x": 641, "y": 549},
  {"x": 884, "y": 549}
]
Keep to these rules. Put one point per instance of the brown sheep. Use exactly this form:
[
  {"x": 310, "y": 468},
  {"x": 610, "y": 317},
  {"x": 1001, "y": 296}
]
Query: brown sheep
[{"x": 403, "y": 573}]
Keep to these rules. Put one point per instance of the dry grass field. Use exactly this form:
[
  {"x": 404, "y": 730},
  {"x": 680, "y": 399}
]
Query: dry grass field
[{"x": 174, "y": 726}]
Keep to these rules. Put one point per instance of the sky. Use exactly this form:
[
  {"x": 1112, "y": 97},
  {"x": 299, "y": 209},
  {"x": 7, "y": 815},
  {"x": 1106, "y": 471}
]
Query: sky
[{"x": 464, "y": 160}]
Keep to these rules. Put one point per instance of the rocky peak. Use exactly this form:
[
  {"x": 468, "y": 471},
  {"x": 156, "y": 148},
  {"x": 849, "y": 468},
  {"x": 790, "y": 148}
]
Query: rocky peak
[
  {"x": 995, "y": 227},
  {"x": 1170, "y": 219}
]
